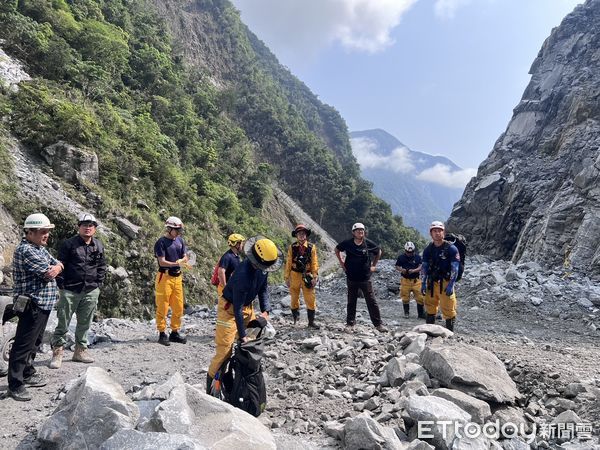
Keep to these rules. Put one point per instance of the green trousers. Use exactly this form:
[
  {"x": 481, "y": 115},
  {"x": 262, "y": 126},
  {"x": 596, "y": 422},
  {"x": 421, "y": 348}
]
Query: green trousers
[{"x": 83, "y": 306}]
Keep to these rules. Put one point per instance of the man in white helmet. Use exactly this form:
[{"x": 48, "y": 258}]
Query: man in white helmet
[
  {"x": 409, "y": 266},
  {"x": 439, "y": 271},
  {"x": 35, "y": 293},
  {"x": 362, "y": 256},
  {"x": 170, "y": 251},
  {"x": 85, "y": 268}
]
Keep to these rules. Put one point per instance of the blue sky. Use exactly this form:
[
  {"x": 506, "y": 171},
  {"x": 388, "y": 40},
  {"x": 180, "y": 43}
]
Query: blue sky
[{"x": 440, "y": 75}]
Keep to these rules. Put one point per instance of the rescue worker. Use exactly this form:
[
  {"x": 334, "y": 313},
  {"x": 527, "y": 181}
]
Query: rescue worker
[
  {"x": 85, "y": 268},
  {"x": 439, "y": 270},
  {"x": 34, "y": 295},
  {"x": 230, "y": 260},
  {"x": 236, "y": 306},
  {"x": 409, "y": 266},
  {"x": 301, "y": 273},
  {"x": 361, "y": 260},
  {"x": 170, "y": 252}
]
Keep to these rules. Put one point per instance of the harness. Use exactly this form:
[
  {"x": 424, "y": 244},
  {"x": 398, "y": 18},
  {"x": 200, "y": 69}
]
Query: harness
[
  {"x": 436, "y": 271},
  {"x": 301, "y": 257}
]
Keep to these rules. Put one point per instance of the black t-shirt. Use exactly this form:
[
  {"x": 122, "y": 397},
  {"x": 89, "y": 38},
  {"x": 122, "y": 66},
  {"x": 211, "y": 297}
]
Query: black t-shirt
[
  {"x": 409, "y": 262},
  {"x": 358, "y": 258}
]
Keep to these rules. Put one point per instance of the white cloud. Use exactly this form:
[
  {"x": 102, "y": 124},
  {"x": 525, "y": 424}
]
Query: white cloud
[
  {"x": 446, "y": 9},
  {"x": 364, "y": 150},
  {"x": 443, "y": 174},
  {"x": 303, "y": 28}
]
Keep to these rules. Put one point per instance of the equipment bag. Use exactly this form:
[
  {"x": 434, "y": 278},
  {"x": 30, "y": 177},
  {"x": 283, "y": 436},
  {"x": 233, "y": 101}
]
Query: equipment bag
[
  {"x": 214, "y": 279},
  {"x": 459, "y": 241},
  {"x": 243, "y": 383}
]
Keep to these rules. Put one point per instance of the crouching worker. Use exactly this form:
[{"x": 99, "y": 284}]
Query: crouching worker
[{"x": 235, "y": 308}]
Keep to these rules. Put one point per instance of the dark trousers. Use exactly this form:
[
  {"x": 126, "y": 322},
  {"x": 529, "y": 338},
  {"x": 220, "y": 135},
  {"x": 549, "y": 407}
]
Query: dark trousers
[
  {"x": 29, "y": 335},
  {"x": 367, "y": 288}
]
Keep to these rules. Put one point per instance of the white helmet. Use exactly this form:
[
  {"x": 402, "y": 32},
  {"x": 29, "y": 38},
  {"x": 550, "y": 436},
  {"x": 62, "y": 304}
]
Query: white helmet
[
  {"x": 38, "y": 220},
  {"x": 358, "y": 226},
  {"x": 409, "y": 247},
  {"x": 174, "y": 222},
  {"x": 437, "y": 224},
  {"x": 87, "y": 217}
]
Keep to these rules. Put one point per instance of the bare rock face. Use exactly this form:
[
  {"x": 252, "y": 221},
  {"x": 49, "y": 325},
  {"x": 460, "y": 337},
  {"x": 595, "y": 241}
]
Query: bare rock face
[
  {"x": 537, "y": 195},
  {"x": 72, "y": 163}
]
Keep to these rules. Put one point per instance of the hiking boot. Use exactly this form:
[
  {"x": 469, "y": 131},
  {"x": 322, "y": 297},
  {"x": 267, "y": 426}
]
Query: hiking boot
[
  {"x": 35, "y": 380},
  {"x": 406, "y": 307},
  {"x": 421, "y": 311},
  {"x": 20, "y": 394},
  {"x": 295, "y": 315},
  {"x": 381, "y": 328},
  {"x": 81, "y": 355},
  {"x": 311, "y": 319},
  {"x": 349, "y": 329},
  {"x": 163, "y": 339},
  {"x": 176, "y": 337},
  {"x": 57, "y": 357}
]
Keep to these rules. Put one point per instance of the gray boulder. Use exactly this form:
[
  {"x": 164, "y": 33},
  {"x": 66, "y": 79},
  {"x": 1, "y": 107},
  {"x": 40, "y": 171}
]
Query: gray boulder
[
  {"x": 479, "y": 410},
  {"x": 472, "y": 370},
  {"x": 133, "y": 440},
  {"x": 94, "y": 409},
  {"x": 364, "y": 433},
  {"x": 74, "y": 164},
  {"x": 127, "y": 228},
  {"x": 433, "y": 330}
]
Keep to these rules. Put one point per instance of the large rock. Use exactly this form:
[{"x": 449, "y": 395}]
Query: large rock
[
  {"x": 74, "y": 164},
  {"x": 127, "y": 228},
  {"x": 364, "y": 433},
  {"x": 472, "y": 370},
  {"x": 537, "y": 195},
  {"x": 434, "y": 419},
  {"x": 479, "y": 410},
  {"x": 94, "y": 409},
  {"x": 132, "y": 439}
]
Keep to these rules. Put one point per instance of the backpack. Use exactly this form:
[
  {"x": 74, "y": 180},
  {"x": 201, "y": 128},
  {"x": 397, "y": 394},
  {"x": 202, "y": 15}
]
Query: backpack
[
  {"x": 459, "y": 241},
  {"x": 301, "y": 261},
  {"x": 214, "y": 279},
  {"x": 243, "y": 381}
]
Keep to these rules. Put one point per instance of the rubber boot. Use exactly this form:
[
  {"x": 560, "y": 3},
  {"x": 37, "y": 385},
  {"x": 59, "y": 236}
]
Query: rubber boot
[
  {"x": 163, "y": 339},
  {"x": 295, "y": 315},
  {"x": 81, "y": 355},
  {"x": 420, "y": 311},
  {"x": 57, "y": 356},
  {"x": 176, "y": 336},
  {"x": 311, "y": 319},
  {"x": 406, "y": 307},
  {"x": 209, "y": 381},
  {"x": 450, "y": 323},
  {"x": 430, "y": 318}
]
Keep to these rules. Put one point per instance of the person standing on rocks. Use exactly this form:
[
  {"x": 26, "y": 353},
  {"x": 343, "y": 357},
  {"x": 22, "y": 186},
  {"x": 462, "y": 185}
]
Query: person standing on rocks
[
  {"x": 409, "y": 266},
  {"x": 362, "y": 256},
  {"x": 35, "y": 293},
  {"x": 236, "y": 306},
  {"x": 439, "y": 270},
  {"x": 85, "y": 268},
  {"x": 170, "y": 251},
  {"x": 302, "y": 272},
  {"x": 230, "y": 260}
]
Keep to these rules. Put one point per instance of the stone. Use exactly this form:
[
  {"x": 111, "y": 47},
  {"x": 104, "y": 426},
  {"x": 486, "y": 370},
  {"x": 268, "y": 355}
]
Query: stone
[
  {"x": 416, "y": 346},
  {"x": 478, "y": 409},
  {"x": 133, "y": 439},
  {"x": 470, "y": 369},
  {"x": 433, "y": 330},
  {"x": 74, "y": 164},
  {"x": 94, "y": 409},
  {"x": 364, "y": 433},
  {"x": 127, "y": 228},
  {"x": 311, "y": 342}
]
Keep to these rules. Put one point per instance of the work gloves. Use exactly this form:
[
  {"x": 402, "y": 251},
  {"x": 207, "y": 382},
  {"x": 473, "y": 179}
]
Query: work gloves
[
  {"x": 450, "y": 289},
  {"x": 423, "y": 287}
]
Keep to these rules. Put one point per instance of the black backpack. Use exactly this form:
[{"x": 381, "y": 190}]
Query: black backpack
[
  {"x": 459, "y": 241},
  {"x": 242, "y": 379}
]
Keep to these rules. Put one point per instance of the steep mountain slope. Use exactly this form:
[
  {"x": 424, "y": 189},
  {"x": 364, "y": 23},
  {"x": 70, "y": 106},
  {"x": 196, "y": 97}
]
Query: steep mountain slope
[
  {"x": 537, "y": 195},
  {"x": 396, "y": 173}
]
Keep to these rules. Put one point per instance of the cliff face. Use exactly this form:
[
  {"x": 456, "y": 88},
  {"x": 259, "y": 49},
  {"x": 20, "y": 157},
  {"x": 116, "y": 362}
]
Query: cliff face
[{"x": 537, "y": 195}]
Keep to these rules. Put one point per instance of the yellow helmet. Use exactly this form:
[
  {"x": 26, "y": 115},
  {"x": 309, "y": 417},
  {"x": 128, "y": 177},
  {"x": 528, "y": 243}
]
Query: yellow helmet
[
  {"x": 234, "y": 239},
  {"x": 263, "y": 253}
]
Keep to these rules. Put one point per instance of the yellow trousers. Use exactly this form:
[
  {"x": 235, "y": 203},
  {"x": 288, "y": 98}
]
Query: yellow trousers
[
  {"x": 168, "y": 293},
  {"x": 445, "y": 302},
  {"x": 296, "y": 284},
  {"x": 407, "y": 286},
  {"x": 226, "y": 333}
]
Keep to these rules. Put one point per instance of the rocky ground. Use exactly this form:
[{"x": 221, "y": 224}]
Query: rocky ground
[{"x": 542, "y": 326}]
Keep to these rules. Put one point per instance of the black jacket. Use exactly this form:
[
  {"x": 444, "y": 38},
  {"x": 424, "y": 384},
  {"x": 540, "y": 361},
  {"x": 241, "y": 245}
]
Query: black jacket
[{"x": 85, "y": 265}]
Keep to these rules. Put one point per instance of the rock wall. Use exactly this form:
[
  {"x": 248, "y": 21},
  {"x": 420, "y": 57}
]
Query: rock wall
[{"x": 537, "y": 195}]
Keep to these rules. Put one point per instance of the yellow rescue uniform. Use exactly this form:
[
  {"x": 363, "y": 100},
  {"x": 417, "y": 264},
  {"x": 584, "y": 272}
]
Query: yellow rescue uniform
[
  {"x": 408, "y": 286},
  {"x": 294, "y": 276},
  {"x": 168, "y": 294},
  {"x": 438, "y": 297}
]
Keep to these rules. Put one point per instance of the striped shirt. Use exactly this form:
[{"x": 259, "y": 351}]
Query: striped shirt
[{"x": 30, "y": 264}]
